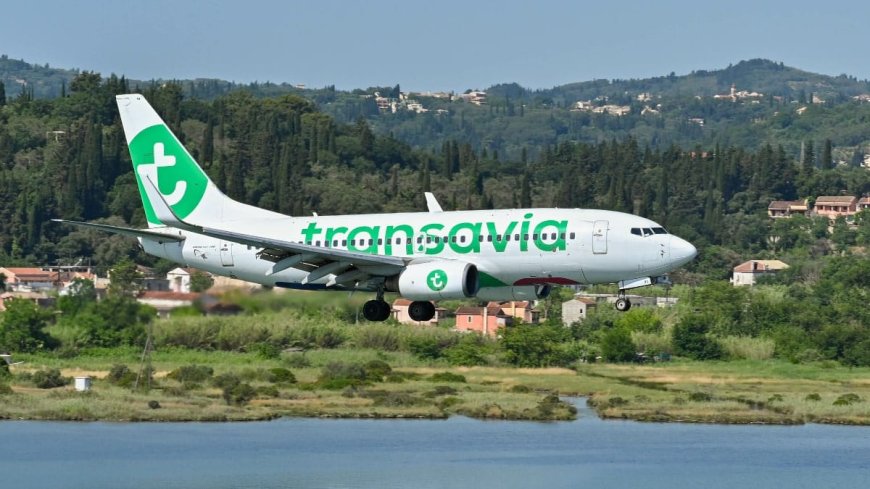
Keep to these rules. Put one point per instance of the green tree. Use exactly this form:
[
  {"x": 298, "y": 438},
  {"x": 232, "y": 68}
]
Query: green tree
[
  {"x": 527, "y": 345},
  {"x": 125, "y": 279},
  {"x": 23, "y": 327},
  {"x": 200, "y": 281},
  {"x": 616, "y": 346},
  {"x": 691, "y": 338}
]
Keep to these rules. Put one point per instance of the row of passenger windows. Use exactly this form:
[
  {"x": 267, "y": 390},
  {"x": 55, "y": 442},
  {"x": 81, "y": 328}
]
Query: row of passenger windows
[
  {"x": 439, "y": 239},
  {"x": 648, "y": 231}
]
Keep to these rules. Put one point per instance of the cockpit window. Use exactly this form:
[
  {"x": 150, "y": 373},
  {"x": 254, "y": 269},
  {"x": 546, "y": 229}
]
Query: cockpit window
[
  {"x": 659, "y": 230},
  {"x": 636, "y": 231},
  {"x": 647, "y": 232}
]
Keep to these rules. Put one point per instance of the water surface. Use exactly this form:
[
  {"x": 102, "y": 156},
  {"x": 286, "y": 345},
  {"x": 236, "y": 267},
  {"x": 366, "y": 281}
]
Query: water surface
[{"x": 456, "y": 453}]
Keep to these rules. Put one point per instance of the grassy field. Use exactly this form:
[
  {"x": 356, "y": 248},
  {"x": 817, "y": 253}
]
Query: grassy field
[{"x": 708, "y": 392}]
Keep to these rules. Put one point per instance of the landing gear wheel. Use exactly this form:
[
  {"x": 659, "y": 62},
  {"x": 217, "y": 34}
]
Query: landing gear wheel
[
  {"x": 623, "y": 304},
  {"x": 376, "y": 310},
  {"x": 421, "y": 310}
]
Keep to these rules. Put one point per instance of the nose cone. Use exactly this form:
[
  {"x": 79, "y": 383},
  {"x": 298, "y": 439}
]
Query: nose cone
[{"x": 682, "y": 251}]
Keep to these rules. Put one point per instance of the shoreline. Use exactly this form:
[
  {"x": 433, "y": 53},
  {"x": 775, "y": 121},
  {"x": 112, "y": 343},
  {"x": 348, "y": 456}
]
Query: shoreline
[{"x": 771, "y": 393}]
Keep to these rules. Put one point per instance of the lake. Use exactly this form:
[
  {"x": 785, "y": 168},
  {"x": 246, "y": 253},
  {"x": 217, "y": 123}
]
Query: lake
[{"x": 454, "y": 453}]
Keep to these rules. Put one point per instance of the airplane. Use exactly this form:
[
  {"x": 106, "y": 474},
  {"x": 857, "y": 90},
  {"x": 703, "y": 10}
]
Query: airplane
[{"x": 509, "y": 254}]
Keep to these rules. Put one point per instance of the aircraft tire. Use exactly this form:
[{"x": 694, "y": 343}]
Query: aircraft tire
[
  {"x": 421, "y": 310},
  {"x": 623, "y": 305}
]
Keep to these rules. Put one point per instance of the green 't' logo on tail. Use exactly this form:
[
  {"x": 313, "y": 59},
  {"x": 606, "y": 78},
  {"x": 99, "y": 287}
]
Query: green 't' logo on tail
[{"x": 158, "y": 156}]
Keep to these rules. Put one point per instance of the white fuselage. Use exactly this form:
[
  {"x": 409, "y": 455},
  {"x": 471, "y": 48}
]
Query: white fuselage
[{"x": 509, "y": 247}]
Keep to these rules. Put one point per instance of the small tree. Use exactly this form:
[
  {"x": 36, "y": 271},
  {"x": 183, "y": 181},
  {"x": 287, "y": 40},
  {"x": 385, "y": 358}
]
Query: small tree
[
  {"x": 616, "y": 346},
  {"x": 691, "y": 340},
  {"x": 22, "y": 327},
  {"x": 126, "y": 280},
  {"x": 200, "y": 281}
]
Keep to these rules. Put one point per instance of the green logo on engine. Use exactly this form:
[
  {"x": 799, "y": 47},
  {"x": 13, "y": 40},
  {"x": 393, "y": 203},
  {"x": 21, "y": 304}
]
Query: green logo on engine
[{"x": 436, "y": 280}]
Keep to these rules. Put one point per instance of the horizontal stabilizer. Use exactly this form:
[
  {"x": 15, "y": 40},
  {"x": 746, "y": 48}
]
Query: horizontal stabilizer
[{"x": 132, "y": 232}]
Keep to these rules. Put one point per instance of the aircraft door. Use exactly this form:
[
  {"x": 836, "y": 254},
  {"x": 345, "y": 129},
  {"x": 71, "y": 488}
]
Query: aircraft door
[
  {"x": 599, "y": 237},
  {"x": 226, "y": 251}
]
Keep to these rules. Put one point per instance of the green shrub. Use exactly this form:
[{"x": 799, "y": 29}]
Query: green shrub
[
  {"x": 338, "y": 375},
  {"x": 775, "y": 398},
  {"x": 690, "y": 338},
  {"x": 550, "y": 402},
  {"x": 521, "y": 389},
  {"x": 239, "y": 394},
  {"x": 448, "y": 377},
  {"x": 153, "y": 404},
  {"x": 191, "y": 373},
  {"x": 469, "y": 352},
  {"x": 4, "y": 370},
  {"x": 382, "y": 337},
  {"x": 744, "y": 347},
  {"x": 297, "y": 360},
  {"x": 376, "y": 370},
  {"x": 442, "y": 390},
  {"x": 50, "y": 378},
  {"x": 700, "y": 397},
  {"x": 847, "y": 399},
  {"x": 813, "y": 397},
  {"x": 392, "y": 398},
  {"x": 267, "y": 391},
  {"x": 227, "y": 380},
  {"x": 280, "y": 375},
  {"x": 266, "y": 350},
  {"x": 616, "y": 346}
]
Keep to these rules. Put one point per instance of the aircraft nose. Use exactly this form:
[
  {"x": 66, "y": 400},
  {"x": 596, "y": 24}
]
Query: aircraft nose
[{"x": 682, "y": 251}]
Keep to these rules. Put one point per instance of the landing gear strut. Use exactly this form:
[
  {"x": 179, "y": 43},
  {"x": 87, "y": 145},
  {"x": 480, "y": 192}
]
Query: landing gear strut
[
  {"x": 377, "y": 309},
  {"x": 622, "y": 303},
  {"x": 421, "y": 310}
]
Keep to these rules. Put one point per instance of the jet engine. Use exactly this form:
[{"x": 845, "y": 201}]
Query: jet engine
[{"x": 435, "y": 280}]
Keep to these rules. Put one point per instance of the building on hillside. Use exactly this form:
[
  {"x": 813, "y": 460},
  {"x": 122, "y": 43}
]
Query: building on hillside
[
  {"x": 521, "y": 310},
  {"x": 166, "y": 301},
  {"x": 748, "y": 272},
  {"x": 30, "y": 279},
  {"x": 41, "y": 299},
  {"x": 787, "y": 208},
  {"x": 863, "y": 204},
  {"x": 577, "y": 309},
  {"x": 400, "y": 313},
  {"x": 179, "y": 279},
  {"x": 484, "y": 320},
  {"x": 833, "y": 207}
]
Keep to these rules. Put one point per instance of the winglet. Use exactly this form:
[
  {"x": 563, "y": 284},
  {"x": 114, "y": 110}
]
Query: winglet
[
  {"x": 162, "y": 210},
  {"x": 432, "y": 202}
]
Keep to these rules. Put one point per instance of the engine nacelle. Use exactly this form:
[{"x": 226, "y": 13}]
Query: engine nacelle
[
  {"x": 518, "y": 293},
  {"x": 436, "y": 280}
]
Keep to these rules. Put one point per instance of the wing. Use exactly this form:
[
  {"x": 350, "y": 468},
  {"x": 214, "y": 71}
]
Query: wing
[
  {"x": 347, "y": 266},
  {"x": 132, "y": 232}
]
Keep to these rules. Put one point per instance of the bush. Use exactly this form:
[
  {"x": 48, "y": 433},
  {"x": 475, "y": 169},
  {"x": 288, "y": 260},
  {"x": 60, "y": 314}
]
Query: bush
[
  {"x": 224, "y": 381},
  {"x": 743, "y": 347},
  {"x": 469, "y": 352},
  {"x": 376, "y": 370},
  {"x": 280, "y": 375},
  {"x": 382, "y": 337},
  {"x": 297, "y": 360},
  {"x": 691, "y": 340},
  {"x": 191, "y": 373},
  {"x": 49, "y": 379},
  {"x": 239, "y": 394},
  {"x": 267, "y": 391},
  {"x": 442, "y": 390},
  {"x": 121, "y": 376},
  {"x": 700, "y": 397},
  {"x": 616, "y": 346},
  {"x": 847, "y": 399},
  {"x": 338, "y": 375},
  {"x": 266, "y": 350},
  {"x": 521, "y": 389},
  {"x": 5, "y": 389},
  {"x": 813, "y": 397},
  {"x": 448, "y": 377},
  {"x": 153, "y": 405}
]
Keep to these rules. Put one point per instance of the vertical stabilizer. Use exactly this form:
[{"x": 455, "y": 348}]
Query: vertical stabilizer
[{"x": 160, "y": 157}]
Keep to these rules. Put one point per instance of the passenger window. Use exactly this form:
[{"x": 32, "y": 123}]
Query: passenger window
[
  {"x": 420, "y": 240},
  {"x": 636, "y": 231},
  {"x": 371, "y": 241},
  {"x": 516, "y": 237},
  {"x": 498, "y": 237},
  {"x": 334, "y": 243},
  {"x": 453, "y": 239},
  {"x": 380, "y": 241},
  {"x": 562, "y": 236},
  {"x": 318, "y": 243},
  {"x": 571, "y": 235},
  {"x": 535, "y": 237},
  {"x": 462, "y": 239},
  {"x": 489, "y": 238},
  {"x": 344, "y": 243},
  {"x": 553, "y": 236},
  {"x": 525, "y": 237},
  {"x": 480, "y": 238}
]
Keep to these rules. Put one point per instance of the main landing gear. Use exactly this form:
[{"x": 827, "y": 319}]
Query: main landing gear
[
  {"x": 622, "y": 302},
  {"x": 377, "y": 309}
]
